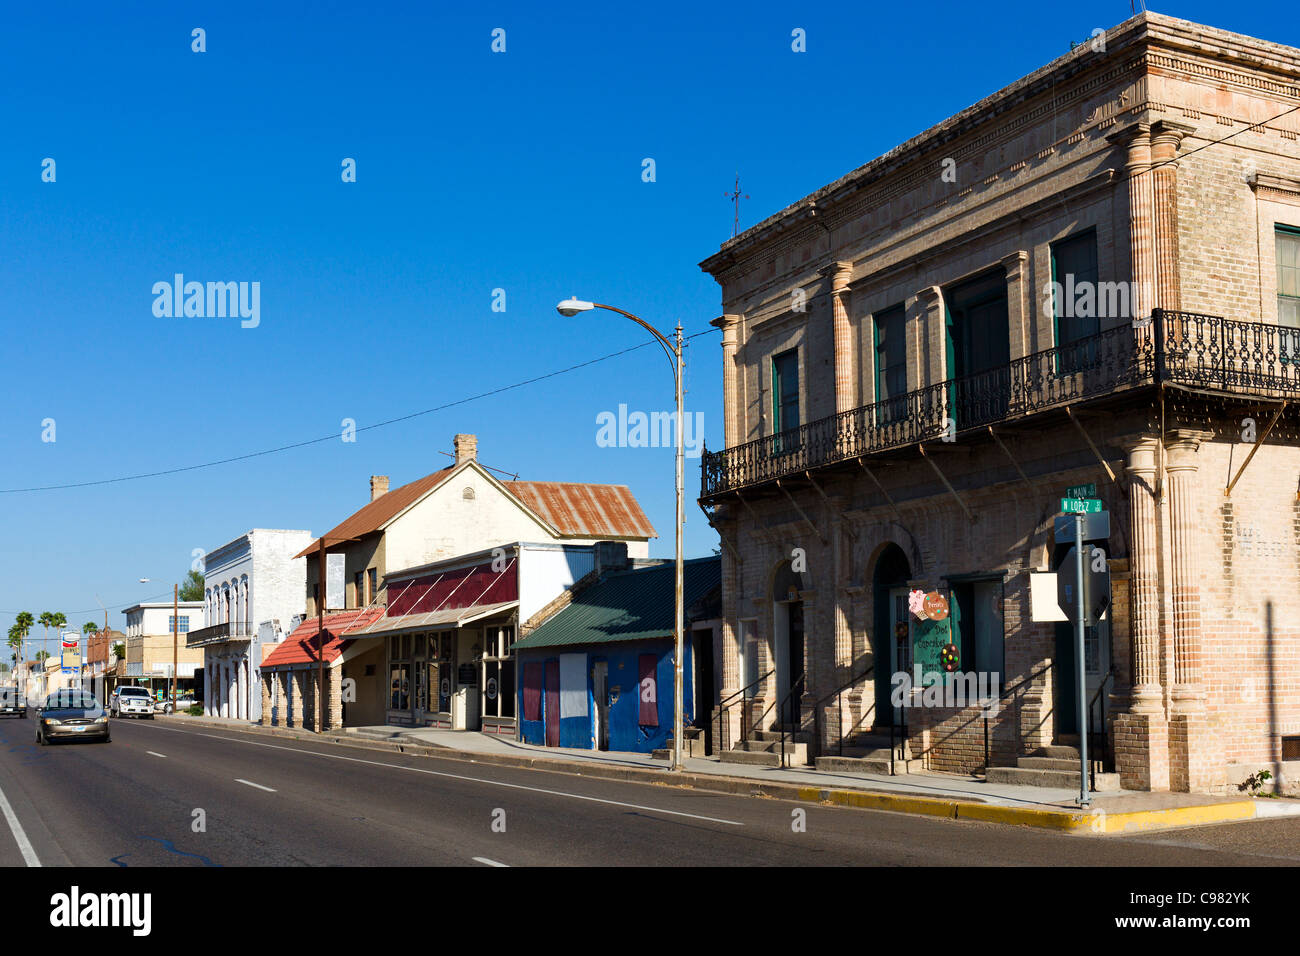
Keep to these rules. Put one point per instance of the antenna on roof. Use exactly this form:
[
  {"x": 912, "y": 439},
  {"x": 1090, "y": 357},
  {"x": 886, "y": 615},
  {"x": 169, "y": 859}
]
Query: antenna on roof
[
  {"x": 735, "y": 197},
  {"x": 514, "y": 477}
]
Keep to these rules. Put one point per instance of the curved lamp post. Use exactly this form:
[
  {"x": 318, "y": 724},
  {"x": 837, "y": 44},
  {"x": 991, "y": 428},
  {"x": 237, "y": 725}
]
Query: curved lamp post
[{"x": 571, "y": 307}]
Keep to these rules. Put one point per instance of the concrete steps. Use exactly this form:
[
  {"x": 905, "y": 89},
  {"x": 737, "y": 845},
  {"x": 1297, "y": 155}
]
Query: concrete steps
[
  {"x": 1065, "y": 779},
  {"x": 1056, "y": 765}
]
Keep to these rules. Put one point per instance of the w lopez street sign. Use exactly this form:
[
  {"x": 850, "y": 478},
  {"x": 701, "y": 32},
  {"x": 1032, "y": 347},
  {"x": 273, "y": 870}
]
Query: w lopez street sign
[{"x": 1080, "y": 506}]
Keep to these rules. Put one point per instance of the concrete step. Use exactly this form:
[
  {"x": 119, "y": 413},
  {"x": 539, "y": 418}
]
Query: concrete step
[
  {"x": 874, "y": 753},
  {"x": 874, "y": 741},
  {"x": 379, "y": 733},
  {"x": 1057, "y": 751},
  {"x": 1049, "y": 763},
  {"x": 757, "y": 746},
  {"x": 874, "y": 765},
  {"x": 752, "y": 758},
  {"x": 798, "y": 736},
  {"x": 1065, "y": 779}
]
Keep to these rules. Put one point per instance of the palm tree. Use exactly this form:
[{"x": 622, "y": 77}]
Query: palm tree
[
  {"x": 23, "y": 624},
  {"x": 90, "y": 627},
  {"x": 46, "y": 619}
]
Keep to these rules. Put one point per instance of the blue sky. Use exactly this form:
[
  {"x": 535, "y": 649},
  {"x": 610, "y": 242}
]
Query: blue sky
[{"x": 475, "y": 171}]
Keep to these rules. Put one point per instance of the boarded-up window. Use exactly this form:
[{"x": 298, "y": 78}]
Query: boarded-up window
[{"x": 533, "y": 691}]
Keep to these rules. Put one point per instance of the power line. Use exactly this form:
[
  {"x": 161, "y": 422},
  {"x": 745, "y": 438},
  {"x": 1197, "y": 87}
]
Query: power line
[{"x": 334, "y": 437}]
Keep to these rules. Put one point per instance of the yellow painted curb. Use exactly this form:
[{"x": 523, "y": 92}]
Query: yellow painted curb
[
  {"x": 882, "y": 801},
  {"x": 1143, "y": 820},
  {"x": 1064, "y": 821}
]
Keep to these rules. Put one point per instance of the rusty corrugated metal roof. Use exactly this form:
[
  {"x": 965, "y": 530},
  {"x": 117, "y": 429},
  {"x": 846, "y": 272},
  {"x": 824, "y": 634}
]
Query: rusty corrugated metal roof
[{"x": 585, "y": 510}]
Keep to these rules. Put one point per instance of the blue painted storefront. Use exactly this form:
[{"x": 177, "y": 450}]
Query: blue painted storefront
[{"x": 626, "y": 733}]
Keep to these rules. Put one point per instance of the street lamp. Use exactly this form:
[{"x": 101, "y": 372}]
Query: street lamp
[{"x": 571, "y": 307}]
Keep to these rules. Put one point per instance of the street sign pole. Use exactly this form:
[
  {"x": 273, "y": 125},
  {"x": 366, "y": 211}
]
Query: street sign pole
[{"x": 1079, "y": 658}]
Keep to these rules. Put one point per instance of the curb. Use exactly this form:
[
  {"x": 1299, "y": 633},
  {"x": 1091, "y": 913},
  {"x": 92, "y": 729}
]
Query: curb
[{"x": 1062, "y": 821}]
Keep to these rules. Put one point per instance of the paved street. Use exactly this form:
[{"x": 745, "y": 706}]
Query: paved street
[{"x": 272, "y": 802}]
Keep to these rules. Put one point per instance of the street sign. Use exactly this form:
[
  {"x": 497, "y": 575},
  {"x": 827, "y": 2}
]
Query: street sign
[
  {"x": 1079, "y": 506},
  {"x": 1081, "y": 491},
  {"x": 1096, "y": 584},
  {"x": 1096, "y": 527}
]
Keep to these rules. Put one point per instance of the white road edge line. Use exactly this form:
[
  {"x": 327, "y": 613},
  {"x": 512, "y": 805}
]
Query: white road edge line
[
  {"x": 156, "y": 754},
  {"x": 486, "y": 862},
  {"x": 457, "y": 776},
  {"x": 251, "y": 784},
  {"x": 20, "y": 835}
]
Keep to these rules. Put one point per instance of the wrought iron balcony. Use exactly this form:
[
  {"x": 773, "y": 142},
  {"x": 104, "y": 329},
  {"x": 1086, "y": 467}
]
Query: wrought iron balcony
[
  {"x": 1202, "y": 351},
  {"x": 217, "y": 634}
]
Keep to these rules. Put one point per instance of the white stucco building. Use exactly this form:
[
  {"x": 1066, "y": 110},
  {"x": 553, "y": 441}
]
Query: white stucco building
[{"x": 253, "y": 593}]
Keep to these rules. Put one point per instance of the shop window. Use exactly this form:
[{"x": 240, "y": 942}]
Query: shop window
[
  {"x": 399, "y": 695},
  {"x": 977, "y": 627}
]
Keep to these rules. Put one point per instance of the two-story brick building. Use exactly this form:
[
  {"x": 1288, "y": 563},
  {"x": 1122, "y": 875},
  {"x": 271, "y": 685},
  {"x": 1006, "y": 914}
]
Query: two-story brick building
[{"x": 1088, "y": 277}]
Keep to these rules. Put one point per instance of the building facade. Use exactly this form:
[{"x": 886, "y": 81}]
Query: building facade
[
  {"x": 152, "y": 647},
  {"x": 253, "y": 598},
  {"x": 1088, "y": 278},
  {"x": 425, "y": 557},
  {"x": 598, "y": 673}
]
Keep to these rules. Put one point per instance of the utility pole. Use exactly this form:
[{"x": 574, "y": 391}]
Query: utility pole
[
  {"x": 176, "y": 633},
  {"x": 1079, "y": 626},
  {"x": 320, "y": 643}
]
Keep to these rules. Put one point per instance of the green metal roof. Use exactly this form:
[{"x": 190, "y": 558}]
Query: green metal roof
[{"x": 634, "y": 605}]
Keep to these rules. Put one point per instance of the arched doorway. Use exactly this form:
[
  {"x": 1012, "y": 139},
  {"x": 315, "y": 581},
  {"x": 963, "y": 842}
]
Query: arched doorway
[
  {"x": 890, "y": 637},
  {"x": 788, "y": 645}
]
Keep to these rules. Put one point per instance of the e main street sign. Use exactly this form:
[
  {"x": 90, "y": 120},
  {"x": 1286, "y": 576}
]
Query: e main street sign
[{"x": 1081, "y": 491}]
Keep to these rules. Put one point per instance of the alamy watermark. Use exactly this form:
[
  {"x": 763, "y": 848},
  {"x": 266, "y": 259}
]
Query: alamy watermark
[
  {"x": 943, "y": 689},
  {"x": 213, "y": 300},
  {"x": 653, "y": 430}
]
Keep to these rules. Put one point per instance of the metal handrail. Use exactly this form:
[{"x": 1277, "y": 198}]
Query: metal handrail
[
  {"x": 1105, "y": 743},
  {"x": 1014, "y": 688},
  {"x": 795, "y": 685},
  {"x": 1194, "y": 349},
  {"x": 837, "y": 693},
  {"x": 725, "y": 704}
]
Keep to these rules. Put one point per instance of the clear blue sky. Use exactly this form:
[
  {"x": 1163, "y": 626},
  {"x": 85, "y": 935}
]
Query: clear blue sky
[{"x": 476, "y": 171}]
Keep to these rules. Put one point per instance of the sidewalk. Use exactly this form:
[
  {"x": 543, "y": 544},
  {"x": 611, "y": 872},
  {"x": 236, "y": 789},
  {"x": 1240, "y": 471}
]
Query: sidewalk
[{"x": 930, "y": 794}]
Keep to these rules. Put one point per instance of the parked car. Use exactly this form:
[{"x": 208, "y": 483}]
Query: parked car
[
  {"x": 183, "y": 702},
  {"x": 70, "y": 713},
  {"x": 12, "y": 701},
  {"x": 131, "y": 702}
]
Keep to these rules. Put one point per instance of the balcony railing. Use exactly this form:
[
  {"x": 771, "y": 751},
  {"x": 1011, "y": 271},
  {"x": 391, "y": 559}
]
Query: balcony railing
[
  {"x": 217, "y": 633},
  {"x": 1204, "y": 351}
]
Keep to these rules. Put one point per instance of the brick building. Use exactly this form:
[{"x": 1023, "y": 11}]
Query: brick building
[{"x": 1089, "y": 277}]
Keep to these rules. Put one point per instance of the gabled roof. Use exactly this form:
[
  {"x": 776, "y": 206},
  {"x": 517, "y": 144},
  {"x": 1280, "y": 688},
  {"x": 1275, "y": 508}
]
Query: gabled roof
[
  {"x": 303, "y": 645},
  {"x": 634, "y": 605},
  {"x": 374, "y": 515},
  {"x": 591, "y": 511},
  {"x": 573, "y": 509}
]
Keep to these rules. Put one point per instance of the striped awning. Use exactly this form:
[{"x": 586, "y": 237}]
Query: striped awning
[{"x": 445, "y": 618}]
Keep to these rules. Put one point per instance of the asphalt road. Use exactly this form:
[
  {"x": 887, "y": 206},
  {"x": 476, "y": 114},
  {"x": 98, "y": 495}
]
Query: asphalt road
[{"x": 272, "y": 802}]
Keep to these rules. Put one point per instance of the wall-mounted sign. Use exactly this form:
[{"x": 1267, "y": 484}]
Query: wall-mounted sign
[
  {"x": 916, "y": 602},
  {"x": 935, "y": 606},
  {"x": 929, "y": 638},
  {"x": 466, "y": 676}
]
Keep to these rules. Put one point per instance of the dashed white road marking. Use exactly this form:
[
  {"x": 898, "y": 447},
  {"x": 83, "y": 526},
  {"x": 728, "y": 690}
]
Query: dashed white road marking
[
  {"x": 486, "y": 862},
  {"x": 457, "y": 776},
  {"x": 155, "y": 753},
  {"x": 251, "y": 784},
  {"x": 20, "y": 835}
]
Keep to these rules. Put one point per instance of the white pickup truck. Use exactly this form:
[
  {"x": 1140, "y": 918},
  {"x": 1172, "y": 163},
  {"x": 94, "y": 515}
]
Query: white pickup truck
[
  {"x": 131, "y": 702},
  {"x": 12, "y": 701}
]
